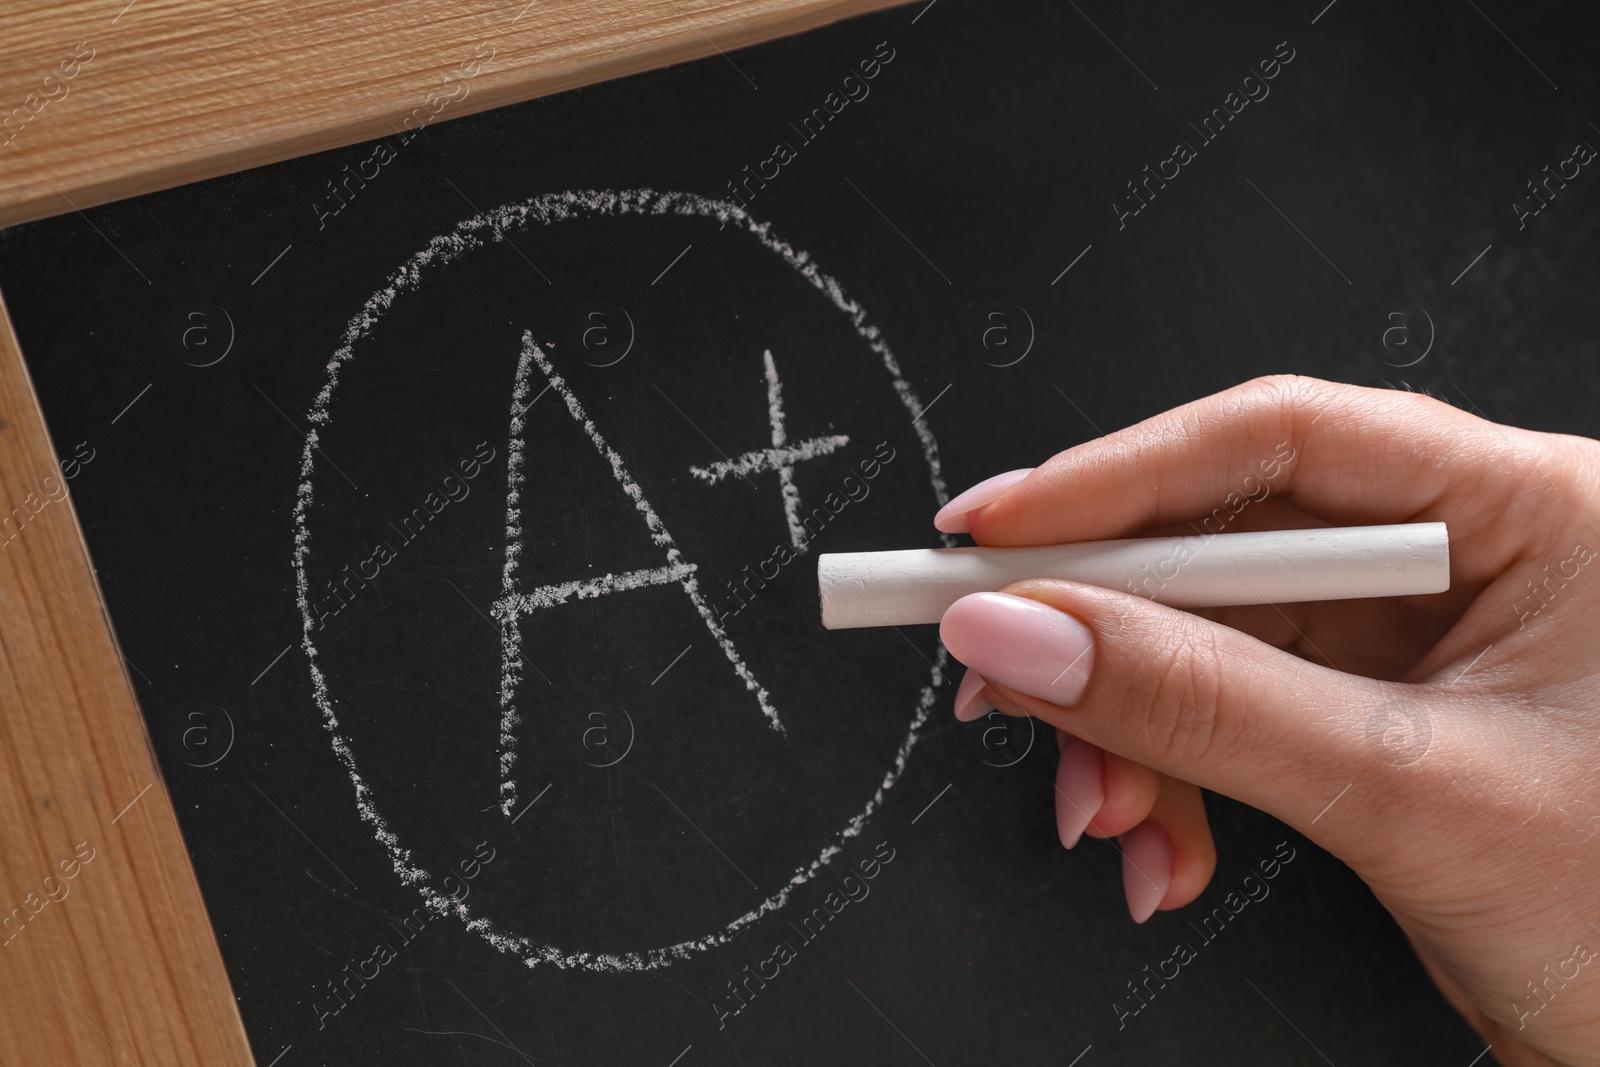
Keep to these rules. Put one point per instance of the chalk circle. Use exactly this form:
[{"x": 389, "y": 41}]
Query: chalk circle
[
  {"x": 1399, "y": 732},
  {"x": 602, "y": 331},
  {"x": 482, "y": 231},
  {"x": 1000, "y": 333},
  {"x": 1002, "y": 740}
]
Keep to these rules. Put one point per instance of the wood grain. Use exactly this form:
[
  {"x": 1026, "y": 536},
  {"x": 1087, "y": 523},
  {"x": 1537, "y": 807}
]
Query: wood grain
[
  {"x": 107, "y": 959},
  {"x": 175, "y": 90}
]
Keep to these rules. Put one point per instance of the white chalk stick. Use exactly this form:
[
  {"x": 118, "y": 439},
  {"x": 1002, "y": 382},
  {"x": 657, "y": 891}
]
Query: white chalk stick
[{"x": 1269, "y": 567}]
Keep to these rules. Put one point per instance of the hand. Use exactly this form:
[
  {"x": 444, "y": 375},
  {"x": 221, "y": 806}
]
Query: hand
[{"x": 1446, "y": 747}]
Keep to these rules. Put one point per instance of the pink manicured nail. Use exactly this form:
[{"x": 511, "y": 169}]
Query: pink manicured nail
[
  {"x": 1080, "y": 789},
  {"x": 970, "y": 704},
  {"x": 952, "y": 518},
  {"x": 1146, "y": 868},
  {"x": 1021, "y": 644}
]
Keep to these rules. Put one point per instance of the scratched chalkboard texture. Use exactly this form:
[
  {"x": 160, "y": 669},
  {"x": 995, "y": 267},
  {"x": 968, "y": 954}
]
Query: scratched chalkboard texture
[{"x": 457, "y": 500}]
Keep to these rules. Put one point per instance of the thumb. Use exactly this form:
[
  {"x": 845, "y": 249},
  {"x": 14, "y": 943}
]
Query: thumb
[{"x": 1188, "y": 697}]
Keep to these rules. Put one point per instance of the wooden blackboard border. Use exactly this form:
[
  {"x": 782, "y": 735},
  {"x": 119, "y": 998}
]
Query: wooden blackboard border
[{"x": 115, "y": 962}]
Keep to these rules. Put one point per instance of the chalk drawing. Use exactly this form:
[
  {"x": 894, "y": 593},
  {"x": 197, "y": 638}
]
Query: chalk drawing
[
  {"x": 781, "y": 457},
  {"x": 513, "y": 604},
  {"x": 440, "y": 252}
]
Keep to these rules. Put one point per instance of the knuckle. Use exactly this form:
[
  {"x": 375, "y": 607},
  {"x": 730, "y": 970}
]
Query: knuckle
[
  {"x": 1277, "y": 407},
  {"x": 1285, "y": 394},
  {"x": 1570, "y": 463},
  {"x": 1174, "y": 700}
]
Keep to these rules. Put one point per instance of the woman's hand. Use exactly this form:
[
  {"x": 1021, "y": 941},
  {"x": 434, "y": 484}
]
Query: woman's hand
[{"x": 1447, "y": 747}]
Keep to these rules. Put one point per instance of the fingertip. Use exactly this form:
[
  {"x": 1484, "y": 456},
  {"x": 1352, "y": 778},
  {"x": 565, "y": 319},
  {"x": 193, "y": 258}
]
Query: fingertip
[
  {"x": 1080, "y": 791},
  {"x": 952, "y": 518},
  {"x": 1131, "y": 790},
  {"x": 970, "y": 703},
  {"x": 1194, "y": 862},
  {"x": 1025, "y": 644},
  {"x": 1181, "y": 812},
  {"x": 1146, "y": 869}
]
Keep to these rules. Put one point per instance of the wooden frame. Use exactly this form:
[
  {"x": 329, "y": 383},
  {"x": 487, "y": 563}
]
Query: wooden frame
[{"x": 106, "y": 954}]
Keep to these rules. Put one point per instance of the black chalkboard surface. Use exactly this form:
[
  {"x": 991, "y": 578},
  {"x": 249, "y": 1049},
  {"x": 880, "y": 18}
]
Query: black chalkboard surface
[{"x": 457, "y": 499}]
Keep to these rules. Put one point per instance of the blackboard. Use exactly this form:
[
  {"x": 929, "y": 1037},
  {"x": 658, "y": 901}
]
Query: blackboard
[{"x": 614, "y": 795}]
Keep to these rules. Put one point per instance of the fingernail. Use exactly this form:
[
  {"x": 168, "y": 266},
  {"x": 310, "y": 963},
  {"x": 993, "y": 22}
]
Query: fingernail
[
  {"x": 952, "y": 518},
  {"x": 1146, "y": 868},
  {"x": 1020, "y": 643},
  {"x": 970, "y": 703},
  {"x": 1080, "y": 789}
]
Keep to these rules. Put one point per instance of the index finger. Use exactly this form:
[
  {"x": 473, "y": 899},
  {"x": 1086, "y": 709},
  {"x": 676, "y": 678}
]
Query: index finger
[{"x": 1345, "y": 454}]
